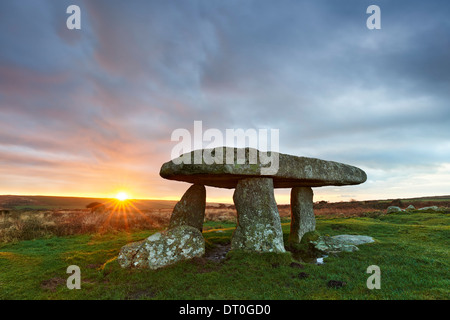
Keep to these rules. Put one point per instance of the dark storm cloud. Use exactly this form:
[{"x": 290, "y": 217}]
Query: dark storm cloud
[{"x": 111, "y": 94}]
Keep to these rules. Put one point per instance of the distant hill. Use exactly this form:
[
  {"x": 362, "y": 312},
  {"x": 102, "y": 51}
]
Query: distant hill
[{"x": 51, "y": 202}]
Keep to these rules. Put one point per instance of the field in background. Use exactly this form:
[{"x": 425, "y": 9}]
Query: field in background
[
  {"x": 49, "y": 202},
  {"x": 13, "y": 202},
  {"x": 32, "y": 217}
]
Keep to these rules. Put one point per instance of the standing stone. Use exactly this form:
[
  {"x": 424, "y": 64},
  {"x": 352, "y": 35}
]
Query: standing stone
[
  {"x": 259, "y": 226},
  {"x": 190, "y": 210},
  {"x": 302, "y": 213}
]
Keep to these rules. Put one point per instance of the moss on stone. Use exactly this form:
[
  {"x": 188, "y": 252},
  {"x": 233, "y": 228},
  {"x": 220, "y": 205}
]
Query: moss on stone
[{"x": 310, "y": 236}]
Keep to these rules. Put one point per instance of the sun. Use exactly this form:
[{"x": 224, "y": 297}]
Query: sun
[{"x": 121, "y": 196}]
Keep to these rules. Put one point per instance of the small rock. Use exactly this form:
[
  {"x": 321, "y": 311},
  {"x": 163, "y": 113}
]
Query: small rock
[
  {"x": 411, "y": 207},
  {"x": 394, "y": 209},
  {"x": 341, "y": 243},
  {"x": 432, "y": 208},
  {"x": 296, "y": 265},
  {"x": 303, "y": 275},
  {"x": 353, "y": 239},
  {"x": 336, "y": 284}
]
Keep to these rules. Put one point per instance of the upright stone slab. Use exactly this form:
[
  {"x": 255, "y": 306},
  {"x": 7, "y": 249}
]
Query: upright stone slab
[
  {"x": 190, "y": 210},
  {"x": 302, "y": 213},
  {"x": 259, "y": 226}
]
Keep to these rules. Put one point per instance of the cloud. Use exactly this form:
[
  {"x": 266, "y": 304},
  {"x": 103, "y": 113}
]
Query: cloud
[{"x": 109, "y": 96}]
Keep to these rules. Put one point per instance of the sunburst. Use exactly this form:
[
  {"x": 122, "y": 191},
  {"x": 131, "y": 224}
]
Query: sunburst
[
  {"x": 123, "y": 208},
  {"x": 122, "y": 196}
]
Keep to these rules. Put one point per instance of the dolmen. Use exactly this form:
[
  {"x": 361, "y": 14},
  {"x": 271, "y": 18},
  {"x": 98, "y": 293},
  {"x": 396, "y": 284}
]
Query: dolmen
[{"x": 258, "y": 222}]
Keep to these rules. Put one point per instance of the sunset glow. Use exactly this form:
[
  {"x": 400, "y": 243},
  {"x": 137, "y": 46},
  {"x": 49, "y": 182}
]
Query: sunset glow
[{"x": 91, "y": 112}]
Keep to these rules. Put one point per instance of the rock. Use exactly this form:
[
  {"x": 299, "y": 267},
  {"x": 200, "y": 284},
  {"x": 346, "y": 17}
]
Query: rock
[
  {"x": 254, "y": 174},
  {"x": 133, "y": 255},
  {"x": 353, "y": 239},
  {"x": 326, "y": 244},
  {"x": 341, "y": 243},
  {"x": 259, "y": 226},
  {"x": 394, "y": 209},
  {"x": 302, "y": 213},
  {"x": 190, "y": 210},
  {"x": 432, "y": 208},
  {"x": 296, "y": 265},
  {"x": 410, "y": 207},
  {"x": 303, "y": 275},
  {"x": 163, "y": 248},
  {"x": 292, "y": 171},
  {"x": 336, "y": 284}
]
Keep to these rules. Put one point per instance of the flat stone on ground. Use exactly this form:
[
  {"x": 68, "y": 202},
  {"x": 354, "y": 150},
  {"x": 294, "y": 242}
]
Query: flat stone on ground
[
  {"x": 393, "y": 209},
  {"x": 163, "y": 248},
  {"x": 341, "y": 243}
]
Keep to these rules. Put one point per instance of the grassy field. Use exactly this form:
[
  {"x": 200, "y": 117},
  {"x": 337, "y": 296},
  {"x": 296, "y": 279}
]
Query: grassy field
[{"x": 411, "y": 250}]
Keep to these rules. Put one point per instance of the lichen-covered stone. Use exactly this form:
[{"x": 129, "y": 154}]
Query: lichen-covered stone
[
  {"x": 394, "y": 209},
  {"x": 259, "y": 227},
  {"x": 190, "y": 210},
  {"x": 302, "y": 213},
  {"x": 310, "y": 236},
  {"x": 163, "y": 248},
  {"x": 341, "y": 243},
  {"x": 292, "y": 171},
  {"x": 432, "y": 208},
  {"x": 128, "y": 255}
]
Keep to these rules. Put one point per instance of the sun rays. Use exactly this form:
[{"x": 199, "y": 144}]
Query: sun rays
[{"x": 122, "y": 211}]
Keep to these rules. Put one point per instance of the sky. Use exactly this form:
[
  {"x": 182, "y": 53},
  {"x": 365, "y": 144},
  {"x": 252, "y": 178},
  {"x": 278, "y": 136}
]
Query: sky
[{"x": 90, "y": 112}]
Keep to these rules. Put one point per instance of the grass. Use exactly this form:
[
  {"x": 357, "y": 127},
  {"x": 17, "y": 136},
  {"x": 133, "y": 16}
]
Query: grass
[{"x": 411, "y": 250}]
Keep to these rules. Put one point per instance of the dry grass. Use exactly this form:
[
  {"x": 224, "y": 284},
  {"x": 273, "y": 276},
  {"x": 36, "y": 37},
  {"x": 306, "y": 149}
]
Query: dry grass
[
  {"x": 26, "y": 225},
  {"x": 31, "y": 224}
]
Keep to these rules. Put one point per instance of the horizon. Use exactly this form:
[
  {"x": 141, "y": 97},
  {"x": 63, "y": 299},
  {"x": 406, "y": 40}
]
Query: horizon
[
  {"x": 91, "y": 112},
  {"x": 212, "y": 202}
]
